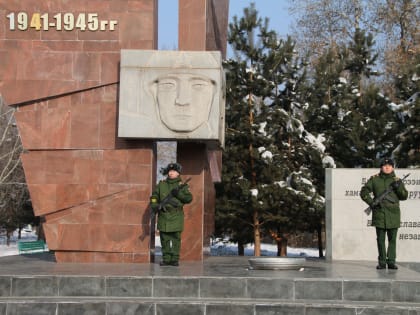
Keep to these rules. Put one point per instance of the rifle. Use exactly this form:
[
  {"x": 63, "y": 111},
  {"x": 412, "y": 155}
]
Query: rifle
[
  {"x": 167, "y": 200},
  {"x": 383, "y": 196}
]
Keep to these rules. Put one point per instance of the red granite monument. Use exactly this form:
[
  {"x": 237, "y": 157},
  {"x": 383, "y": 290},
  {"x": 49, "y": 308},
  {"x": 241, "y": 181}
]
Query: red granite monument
[{"x": 59, "y": 67}]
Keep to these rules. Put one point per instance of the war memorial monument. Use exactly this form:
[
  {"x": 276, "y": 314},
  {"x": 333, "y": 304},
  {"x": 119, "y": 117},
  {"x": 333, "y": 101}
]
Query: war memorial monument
[{"x": 92, "y": 96}]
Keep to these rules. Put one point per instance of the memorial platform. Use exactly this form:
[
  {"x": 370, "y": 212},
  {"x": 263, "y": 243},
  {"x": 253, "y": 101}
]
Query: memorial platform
[{"x": 36, "y": 284}]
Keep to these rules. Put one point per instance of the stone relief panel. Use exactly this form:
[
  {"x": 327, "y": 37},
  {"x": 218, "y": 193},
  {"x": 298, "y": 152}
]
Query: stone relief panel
[{"x": 172, "y": 95}]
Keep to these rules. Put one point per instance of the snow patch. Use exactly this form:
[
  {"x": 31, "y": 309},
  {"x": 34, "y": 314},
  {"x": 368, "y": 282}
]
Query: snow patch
[{"x": 218, "y": 247}]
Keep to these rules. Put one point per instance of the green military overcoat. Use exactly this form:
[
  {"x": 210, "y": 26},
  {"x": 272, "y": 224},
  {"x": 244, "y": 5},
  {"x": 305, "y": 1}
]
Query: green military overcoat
[
  {"x": 387, "y": 215},
  {"x": 171, "y": 219}
]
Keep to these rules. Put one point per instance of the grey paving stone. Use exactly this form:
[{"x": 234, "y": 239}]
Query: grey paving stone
[
  {"x": 175, "y": 287},
  {"x": 5, "y": 285},
  {"x": 130, "y": 308},
  {"x": 123, "y": 286},
  {"x": 405, "y": 291},
  {"x": 229, "y": 309},
  {"x": 85, "y": 308},
  {"x": 279, "y": 310},
  {"x": 318, "y": 290},
  {"x": 270, "y": 288},
  {"x": 81, "y": 286},
  {"x": 34, "y": 286},
  {"x": 223, "y": 287},
  {"x": 330, "y": 310},
  {"x": 180, "y": 309},
  {"x": 379, "y": 291},
  {"x": 382, "y": 311},
  {"x": 31, "y": 309}
]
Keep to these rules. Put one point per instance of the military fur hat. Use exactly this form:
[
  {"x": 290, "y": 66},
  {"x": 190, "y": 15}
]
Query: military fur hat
[
  {"x": 172, "y": 166},
  {"x": 386, "y": 161}
]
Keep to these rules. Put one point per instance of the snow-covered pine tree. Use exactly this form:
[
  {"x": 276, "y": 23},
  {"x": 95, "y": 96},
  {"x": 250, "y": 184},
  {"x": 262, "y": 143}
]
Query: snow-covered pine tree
[
  {"x": 371, "y": 124},
  {"x": 326, "y": 90},
  {"x": 266, "y": 142},
  {"x": 347, "y": 108},
  {"x": 407, "y": 152},
  {"x": 407, "y": 84},
  {"x": 236, "y": 213}
]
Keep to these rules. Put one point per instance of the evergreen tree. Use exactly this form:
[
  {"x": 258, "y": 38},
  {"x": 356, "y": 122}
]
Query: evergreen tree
[
  {"x": 407, "y": 83},
  {"x": 266, "y": 142},
  {"x": 348, "y": 109},
  {"x": 408, "y": 151},
  {"x": 394, "y": 24}
]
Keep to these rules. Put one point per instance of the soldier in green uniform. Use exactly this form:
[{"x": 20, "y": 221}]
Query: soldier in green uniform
[
  {"x": 171, "y": 216},
  {"x": 386, "y": 216}
]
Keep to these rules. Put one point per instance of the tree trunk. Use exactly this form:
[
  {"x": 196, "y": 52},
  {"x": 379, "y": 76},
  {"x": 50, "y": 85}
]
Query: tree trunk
[
  {"x": 319, "y": 232},
  {"x": 281, "y": 241},
  {"x": 40, "y": 232},
  {"x": 282, "y": 246},
  {"x": 257, "y": 235},
  {"x": 256, "y": 223},
  {"x": 8, "y": 236},
  {"x": 241, "y": 249}
]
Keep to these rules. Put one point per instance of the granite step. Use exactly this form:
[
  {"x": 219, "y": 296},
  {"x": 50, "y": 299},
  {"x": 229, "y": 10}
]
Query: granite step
[
  {"x": 219, "y": 285},
  {"x": 212, "y": 287},
  {"x": 196, "y": 306},
  {"x": 64, "y": 294}
]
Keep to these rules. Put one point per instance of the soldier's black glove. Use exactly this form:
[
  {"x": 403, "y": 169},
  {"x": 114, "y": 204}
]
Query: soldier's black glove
[
  {"x": 396, "y": 184},
  {"x": 174, "y": 192},
  {"x": 375, "y": 205}
]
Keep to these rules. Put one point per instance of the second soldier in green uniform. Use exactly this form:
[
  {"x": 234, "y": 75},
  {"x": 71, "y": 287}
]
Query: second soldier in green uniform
[
  {"x": 386, "y": 216},
  {"x": 170, "y": 215}
]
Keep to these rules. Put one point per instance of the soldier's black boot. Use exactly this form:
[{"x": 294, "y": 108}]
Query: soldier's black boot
[{"x": 380, "y": 266}]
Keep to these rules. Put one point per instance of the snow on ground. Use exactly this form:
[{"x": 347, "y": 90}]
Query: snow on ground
[
  {"x": 27, "y": 234},
  {"x": 223, "y": 248},
  {"x": 218, "y": 248}
]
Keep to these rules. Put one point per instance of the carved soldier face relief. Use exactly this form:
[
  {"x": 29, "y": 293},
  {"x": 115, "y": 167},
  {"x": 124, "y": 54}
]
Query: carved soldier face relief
[
  {"x": 175, "y": 95},
  {"x": 184, "y": 100}
]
